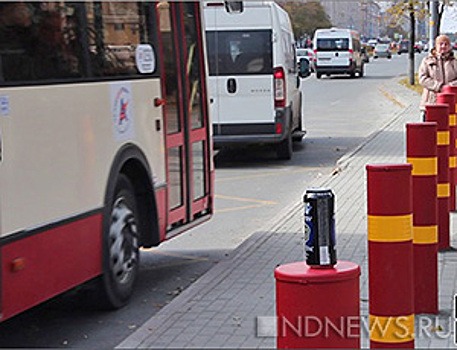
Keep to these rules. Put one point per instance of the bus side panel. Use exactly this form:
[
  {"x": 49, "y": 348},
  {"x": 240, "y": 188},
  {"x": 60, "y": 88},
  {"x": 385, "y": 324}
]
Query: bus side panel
[{"x": 43, "y": 265}]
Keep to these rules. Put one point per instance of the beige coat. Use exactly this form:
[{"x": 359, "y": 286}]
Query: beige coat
[{"x": 434, "y": 73}]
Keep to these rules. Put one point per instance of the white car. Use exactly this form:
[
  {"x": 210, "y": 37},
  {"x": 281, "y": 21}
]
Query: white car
[{"x": 307, "y": 54}]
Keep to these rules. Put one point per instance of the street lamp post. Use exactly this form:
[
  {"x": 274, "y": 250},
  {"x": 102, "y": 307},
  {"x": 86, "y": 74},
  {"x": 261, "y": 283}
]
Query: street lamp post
[
  {"x": 411, "y": 41},
  {"x": 433, "y": 30}
]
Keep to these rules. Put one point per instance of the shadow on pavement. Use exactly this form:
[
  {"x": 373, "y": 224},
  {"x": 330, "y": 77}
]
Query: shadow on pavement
[{"x": 311, "y": 152}]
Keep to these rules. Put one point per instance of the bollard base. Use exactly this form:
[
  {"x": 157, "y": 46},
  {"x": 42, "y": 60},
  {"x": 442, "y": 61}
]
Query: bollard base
[{"x": 318, "y": 308}]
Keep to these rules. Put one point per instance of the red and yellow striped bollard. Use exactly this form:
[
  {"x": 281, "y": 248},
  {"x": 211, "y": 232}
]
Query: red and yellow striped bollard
[
  {"x": 422, "y": 154},
  {"x": 439, "y": 113},
  {"x": 449, "y": 99},
  {"x": 390, "y": 256}
]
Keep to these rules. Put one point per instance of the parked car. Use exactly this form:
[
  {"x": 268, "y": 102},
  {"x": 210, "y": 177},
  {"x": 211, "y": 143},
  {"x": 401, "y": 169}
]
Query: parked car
[
  {"x": 382, "y": 50},
  {"x": 372, "y": 42},
  {"x": 307, "y": 54},
  {"x": 418, "y": 47},
  {"x": 403, "y": 46}
]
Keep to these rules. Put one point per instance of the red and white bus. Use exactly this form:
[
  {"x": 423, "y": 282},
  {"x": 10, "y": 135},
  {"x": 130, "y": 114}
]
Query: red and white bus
[{"x": 105, "y": 143}]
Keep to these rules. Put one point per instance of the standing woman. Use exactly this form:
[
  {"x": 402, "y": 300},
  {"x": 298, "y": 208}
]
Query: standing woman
[{"x": 439, "y": 68}]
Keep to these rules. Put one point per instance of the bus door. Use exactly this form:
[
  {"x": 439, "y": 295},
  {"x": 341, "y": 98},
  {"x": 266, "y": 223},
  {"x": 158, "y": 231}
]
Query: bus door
[{"x": 186, "y": 124}]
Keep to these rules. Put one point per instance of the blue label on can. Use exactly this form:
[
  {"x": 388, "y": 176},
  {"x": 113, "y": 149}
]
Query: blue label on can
[{"x": 309, "y": 230}]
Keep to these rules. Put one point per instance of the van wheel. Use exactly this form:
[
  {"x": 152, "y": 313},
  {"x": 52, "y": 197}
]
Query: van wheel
[
  {"x": 120, "y": 247},
  {"x": 300, "y": 134},
  {"x": 285, "y": 148},
  {"x": 318, "y": 75}
]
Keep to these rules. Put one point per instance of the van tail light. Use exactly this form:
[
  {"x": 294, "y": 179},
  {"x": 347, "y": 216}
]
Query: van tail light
[
  {"x": 280, "y": 87},
  {"x": 351, "y": 55}
]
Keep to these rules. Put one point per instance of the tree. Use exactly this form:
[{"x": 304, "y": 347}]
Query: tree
[
  {"x": 306, "y": 17},
  {"x": 409, "y": 10},
  {"x": 399, "y": 11}
]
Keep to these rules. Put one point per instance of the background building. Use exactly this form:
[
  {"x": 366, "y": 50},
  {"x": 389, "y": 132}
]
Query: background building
[
  {"x": 361, "y": 15},
  {"x": 365, "y": 16}
]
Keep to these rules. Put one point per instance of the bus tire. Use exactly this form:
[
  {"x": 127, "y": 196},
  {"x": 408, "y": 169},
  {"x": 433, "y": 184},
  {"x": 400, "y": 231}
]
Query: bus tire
[{"x": 120, "y": 246}]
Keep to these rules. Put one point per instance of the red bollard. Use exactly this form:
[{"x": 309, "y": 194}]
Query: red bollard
[
  {"x": 390, "y": 256},
  {"x": 439, "y": 113},
  {"x": 318, "y": 302},
  {"x": 318, "y": 308},
  {"x": 422, "y": 154},
  {"x": 452, "y": 90},
  {"x": 449, "y": 99}
]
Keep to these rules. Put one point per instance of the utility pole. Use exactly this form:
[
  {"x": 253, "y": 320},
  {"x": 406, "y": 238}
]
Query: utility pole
[
  {"x": 433, "y": 32},
  {"x": 412, "y": 40}
]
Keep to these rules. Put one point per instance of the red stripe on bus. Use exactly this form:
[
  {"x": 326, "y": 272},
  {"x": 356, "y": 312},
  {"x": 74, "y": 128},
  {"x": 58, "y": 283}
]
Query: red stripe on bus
[{"x": 54, "y": 261}]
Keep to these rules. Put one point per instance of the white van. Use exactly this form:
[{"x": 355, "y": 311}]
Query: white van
[
  {"x": 254, "y": 84},
  {"x": 338, "y": 51}
]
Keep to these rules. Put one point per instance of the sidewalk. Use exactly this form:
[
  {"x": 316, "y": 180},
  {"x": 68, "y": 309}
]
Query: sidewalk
[{"x": 233, "y": 304}]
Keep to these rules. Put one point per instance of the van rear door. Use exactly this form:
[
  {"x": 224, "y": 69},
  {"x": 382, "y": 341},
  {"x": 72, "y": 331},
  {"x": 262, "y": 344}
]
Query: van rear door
[
  {"x": 240, "y": 79},
  {"x": 333, "y": 52}
]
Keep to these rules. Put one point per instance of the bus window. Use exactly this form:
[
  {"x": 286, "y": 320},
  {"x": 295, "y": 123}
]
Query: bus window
[
  {"x": 42, "y": 41},
  {"x": 114, "y": 30},
  {"x": 37, "y": 41},
  {"x": 192, "y": 67}
]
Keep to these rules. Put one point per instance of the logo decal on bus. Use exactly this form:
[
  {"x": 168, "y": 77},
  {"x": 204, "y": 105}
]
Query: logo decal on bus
[
  {"x": 4, "y": 106},
  {"x": 121, "y": 102}
]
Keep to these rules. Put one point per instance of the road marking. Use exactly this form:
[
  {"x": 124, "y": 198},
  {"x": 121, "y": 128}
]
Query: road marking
[
  {"x": 257, "y": 203},
  {"x": 283, "y": 172},
  {"x": 391, "y": 97},
  {"x": 241, "y": 199},
  {"x": 227, "y": 210}
]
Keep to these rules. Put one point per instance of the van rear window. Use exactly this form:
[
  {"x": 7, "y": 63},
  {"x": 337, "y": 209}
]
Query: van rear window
[
  {"x": 332, "y": 44},
  {"x": 239, "y": 52}
]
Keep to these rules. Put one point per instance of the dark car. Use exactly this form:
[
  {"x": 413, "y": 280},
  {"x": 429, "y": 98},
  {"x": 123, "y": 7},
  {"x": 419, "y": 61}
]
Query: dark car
[
  {"x": 364, "y": 54},
  {"x": 403, "y": 47}
]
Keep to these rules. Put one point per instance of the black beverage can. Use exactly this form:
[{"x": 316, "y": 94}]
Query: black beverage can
[{"x": 319, "y": 227}]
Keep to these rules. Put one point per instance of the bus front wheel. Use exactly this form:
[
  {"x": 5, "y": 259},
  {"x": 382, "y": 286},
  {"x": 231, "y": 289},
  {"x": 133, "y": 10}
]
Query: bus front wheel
[{"x": 120, "y": 246}]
